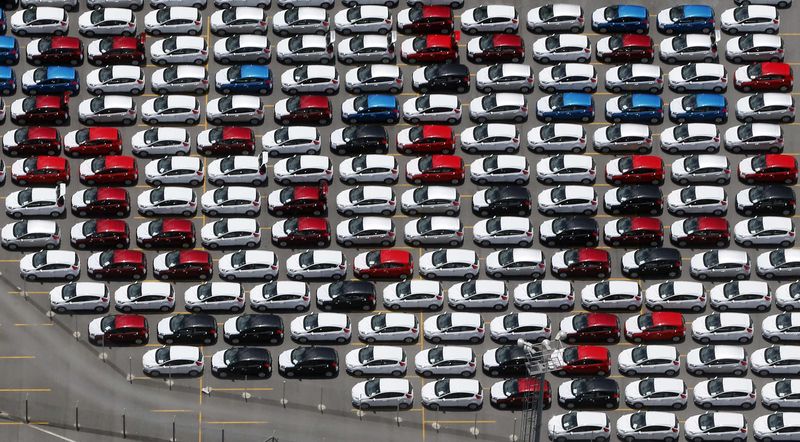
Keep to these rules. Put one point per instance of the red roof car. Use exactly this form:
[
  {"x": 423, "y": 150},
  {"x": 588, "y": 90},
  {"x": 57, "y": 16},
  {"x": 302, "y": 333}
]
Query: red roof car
[
  {"x": 302, "y": 232},
  {"x": 40, "y": 170},
  {"x": 384, "y": 264},
  {"x": 57, "y": 51},
  {"x": 121, "y": 330},
  {"x": 228, "y": 140},
  {"x": 634, "y": 232},
  {"x": 583, "y": 262},
  {"x": 585, "y": 360},
  {"x": 626, "y": 48},
  {"x": 496, "y": 48},
  {"x": 515, "y": 393},
  {"x": 769, "y": 169},
  {"x": 110, "y": 170},
  {"x": 301, "y": 201},
  {"x": 435, "y": 169},
  {"x": 183, "y": 264},
  {"x": 117, "y": 264},
  {"x": 656, "y": 326},
  {"x": 636, "y": 169},
  {"x": 430, "y": 48},
  {"x": 93, "y": 141},
  {"x": 101, "y": 234},
  {"x": 591, "y": 327},
  {"x": 118, "y": 50},
  {"x": 167, "y": 233},
  {"x": 428, "y": 20},
  {"x": 41, "y": 109},
  {"x": 702, "y": 231},
  {"x": 426, "y": 139},
  {"x": 100, "y": 202},
  {"x": 764, "y": 77},
  {"x": 306, "y": 109},
  {"x": 33, "y": 140}
]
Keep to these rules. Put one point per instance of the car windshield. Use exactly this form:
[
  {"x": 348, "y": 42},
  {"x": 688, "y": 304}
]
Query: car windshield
[
  {"x": 548, "y": 131},
  {"x": 419, "y": 43},
  {"x": 601, "y": 289},
  {"x": 366, "y": 354},
  {"x": 740, "y": 14},
  {"x": 311, "y": 321},
  {"x": 746, "y": 42},
  {"x": 625, "y": 102},
  {"x": 298, "y": 353},
  {"x": 293, "y": 164},
  {"x": 757, "y": 194},
  {"x": 756, "y": 101},
  {"x": 690, "y": 163},
  {"x": 494, "y": 225},
  {"x": 155, "y": 227},
  {"x": 570, "y": 354},
  {"x": 29, "y": 164},
  {"x": 361, "y": 103},
  {"x": 378, "y": 322},
  {"x": 638, "y": 420},
  {"x": 356, "y": 225},
  {"x": 775, "y": 421},
  {"x": 643, "y": 255},
  {"x": 510, "y": 387},
  {"x": 666, "y": 290},
  {"x": 707, "y": 354},
  {"x": 777, "y": 258},
  {"x": 754, "y": 70},
  {"x": 239, "y": 258},
  {"x": 783, "y": 387},
  {"x": 772, "y": 354},
  {"x": 372, "y": 387},
  {"x": 107, "y": 323},
  {"x": 579, "y": 387},
  {"x": 20, "y": 228},
  {"x": 647, "y": 387},
  {"x": 615, "y": 42},
  {"x": 98, "y": 164},
  {"x": 88, "y": 197},
  {"x": 221, "y": 194},
  {"x": 706, "y": 421},
  {"x": 300, "y": 73},
  {"x": 163, "y": 15},
  {"x": 511, "y": 321},
  {"x": 68, "y": 291},
  {"x": 755, "y": 225},
  {"x": 569, "y": 421},
  {"x": 436, "y": 355},
  {"x": 359, "y": 163},
  {"x": 29, "y": 103},
  {"x": 40, "y": 74},
  {"x": 486, "y": 42},
  {"x": 231, "y": 44},
  {"x": 679, "y": 43},
  {"x": 681, "y": 132},
  {"x": 745, "y": 131},
  {"x": 558, "y": 194},
  {"x": 162, "y": 355},
  {"x": 688, "y": 194},
  {"x": 495, "y": 71},
  {"x": 505, "y": 257},
  {"x": 177, "y": 321},
  {"x": 613, "y": 133},
  {"x": 97, "y": 104},
  {"x": 106, "y": 257},
  {"x": 444, "y": 321},
  {"x": 571, "y": 256},
  {"x": 205, "y": 291},
  {"x": 579, "y": 322},
  {"x": 534, "y": 288},
  {"x": 29, "y": 15},
  {"x": 553, "y": 42},
  {"x": 710, "y": 259},
  {"x": 424, "y": 224},
  {"x": 639, "y": 354},
  {"x": 783, "y": 320},
  {"x": 556, "y": 163},
  {"x": 423, "y": 102},
  {"x": 357, "y": 43},
  {"x": 489, "y": 102},
  {"x": 221, "y": 227},
  {"x": 306, "y": 259},
  {"x": 442, "y": 387},
  {"x": 89, "y": 227},
  {"x": 290, "y": 225},
  {"x": 556, "y": 101},
  {"x": 713, "y": 322},
  {"x": 689, "y": 71},
  {"x": 625, "y": 71}
]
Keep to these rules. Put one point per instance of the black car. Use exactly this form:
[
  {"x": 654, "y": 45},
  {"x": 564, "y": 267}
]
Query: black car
[
  {"x": 570, "y": 231},
  {"x": 191, "y": 329},
  {"x": 347, "y": 295},
  {"x": 243, "y": 361},
  {"x": 653, "y": 262},
  {"x": 257, "y": 329},
  {"x": 589, "y": 393},
  {"x": 503, "y": 200},
  {"x": 443, "y": 78},
  {"x": 361, "y": 139},
  {"x": 638, "y": 199},
  {"x": 310, "y": 362},
  {"x": 509, "y": 361},
  {"x": 766, "y": 200}
]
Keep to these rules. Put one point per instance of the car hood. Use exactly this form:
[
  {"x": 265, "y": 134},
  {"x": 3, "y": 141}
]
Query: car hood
[
  {"x": 163, "y": 327},
  {"x": 94, "y": 328},
  {"x": 629, "y": 261}
]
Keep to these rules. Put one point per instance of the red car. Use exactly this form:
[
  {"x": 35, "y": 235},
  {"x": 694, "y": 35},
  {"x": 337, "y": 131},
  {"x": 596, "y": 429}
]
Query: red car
[
  {"x": 703, "y": 231},
  {"x": 42, "y": 109},
  {"x": 166, "y": 233},
  {"x": 636, "y": 169},
  {"x": 591, "y": 327},
  {"x": 117, "y": 264},
  {"x": 57, "y": 51},
  {"x": 93, "y": 141},
  {"x": 119, "y": 330},
  {"x": 585, "y": 360},
  {"x": 497, "y": 48},
  {"x": 430, "y": 48},
  {"x": 101, "y": 202},
  {"x": 428, "y": 20},
  {"x": 34, "y": 140},
  {"x": 769, "y": 169},
  {"x": 435, "y": 169},
  {"x": 516, "y": 392},
  {"x": 101, "y": 234},
  {"x": 384, "y": 264},
  {"x": 428, "y": 138},
  {"x": 656, "y": 326},
  {"x": 301, "y": 201},
  {"x": 306, "y": 109},
  {"x": 626, "y": 48},
  {"x": 41, "y": 170},
  {"x": 764, "y": 77},
  {"x": 302, "y": 232},
  {"x": 583, "y": 262},
  {"x": 111, "y": 170},
  {"x": 634, "y": 232},
  {"x": 229, "y": 140},
  {"x": 119, "y": 50},
  {"x": 183, "y": 264}
]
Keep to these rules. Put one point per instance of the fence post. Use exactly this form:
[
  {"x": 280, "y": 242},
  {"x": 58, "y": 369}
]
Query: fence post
[
  {"x": 321, "y": 407},
  {"x": 27, "y": 416},
  {"x": 124, "y": 430},
  {"x": 174, "y": 439},
  {"x": 474, "y": 429},
  {"x": 284, "y": 401},
  {"x": 130, "y": 369},
  {"x": 77, "y": 424}
]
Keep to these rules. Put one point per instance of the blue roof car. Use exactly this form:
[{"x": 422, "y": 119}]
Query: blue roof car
[
  {"x": 8, "y": 81},
  {"x": 699, "y": 108},
  {"x": 621, "y": 18},
  {"x": 373, "y": 108},
  {"x": 686, "y": 19},
  {"x": 567, "y": 106},
  {"x": 51, "y": 80},
  {"x": 635, "y": 108},
  {"x": 247, "y": 78},
  {"x": 9, "y": 50}
]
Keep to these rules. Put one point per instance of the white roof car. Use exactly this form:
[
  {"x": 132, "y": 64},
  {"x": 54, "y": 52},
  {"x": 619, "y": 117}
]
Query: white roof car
[
  {"x": 145, "y": 296},
  {"x": 30, "y": 233},
  {"x": 701, "y": 168},
  {"x": 231, "y": 200},
  {"x": 505, "y": 76},
  {"x": 50, "y": 264},
  {"x": 243, "y": 48},
  {"x": 766, "y": 106},
  {"x": 238, "y": 169},
  {"x": 754, "y": 47},
  {"x": 720, "y": 264},
  {"x": 367, "y": 47},
  {"x": 432, "y": 107},
  {"x": 648, "y": 425},
  {"x": 656, "y": 391},
  {"x": 450, "y": 262},
  {"x": 167, "y": 200},
  {"x": 40, "y": 20},
  {"x": 690, "y": 137},
  {"x": 317, "y": 263},
  {"x": 430, "y": 199},
  {"x": 698, "y": 77},
  {"x": 310, "y": 78},
  {"x": 528, "y": 326},
  {"x": 105, "y": 109},
  {"x": 235, "y": 108},
  {"x": 480, "y": 293},
  {"x": 562, "y": 47},
  {"x": 239, "y": 19},
  {"x": 568, "y": 199},
  {"x": 302, "y": 169},
  {"x": 317, "y": 48},
  {"x": 716, "y": 425},
  {"x": 161, "y": 141},
  {"x": 371, "y": 168},
  {"x": 36, "y": 201},
  {"x": 174, "y": 20},
  {"x": 79, "y": 296},
  {"x": 658, "y": 359},
  {"x": 750, "y": 18},
  {"x": 280, "y": 295},
  {"x": 454, "y": 327},
  {"x": 612, "y": 295},
  {"x": 490, "y": 137},
  {"x": 515, "y": 230},
  {"x": 555, "y": 17},
  {"x": 544, "y": 294},
  {"x": 490, "y": 18},
  {"x": 717, "y": 359},
  {"x": 174, "y": 359},
  {"x": 697, "y": 200},
  {"x": 766, "y": 230},
  {"x": 303, "y": 19},
  {"x": 635, "y": 77},
  {"x": 113, "y": 79},
  {"x": 260, "y": 264},
  {"x": 367, "y": 18},
  {"x": 180, "y": 78},
  {"x": 499, "y": 106},
  {"x": 291, "y": 140},
  {"x": 107, "y": 21},
  {"x": 557, "y": 137},
  {"x": 181, "y": 49},
  {"x": 382, "y": 392},
  {"x": 777, "y": 426},
  {"x": 445, "y": 360},
  {"x": 723, "y": 327},
  {"x": 171, "y": 108},
  {"x": 579, "y": 425},
  {"x": 389, "y": 327},
  {"x": 780, "y": 263},
  {"x": 779, "y": 394},
  {"x": 320, "y": 327},
  {"x": 515, "y": 262},
  {"x": 688, "y": 47},
  {"x": 775, "y": 360},
  {"x": 216, "y": 295},
  {"x": 376, "y": 359},
  {"x": 366, "y": 200},
  {"x": 413, "y": 294},
  {"x": 676, "y": 294},
  {"x": 452, "y": 393},
  {"x": 625, "y": 136},
  {"x": 500, "y": 168}
]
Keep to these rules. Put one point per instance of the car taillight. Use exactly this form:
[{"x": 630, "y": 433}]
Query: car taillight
[
  {"x": 743, "y": 429},
  {"x": 605, "y": 429},
  {"x": 743, "y": 362},
  {"x": 713, "y": 49},
  {"x": 56, "y": 237},
  {"x": 523, "y": 108},
  {"x": 266, "y": 50},
  {"x": 659, "y": 80},
  {"x": 346, "y": 330},
  {"x": 439, "y": 297},
  {"x": 74, "y": 267},
  {"x": 683, "y": 395},
  {"x": 391, "y": 233},
  {"x": 570, "y": 297},
  {"x": 474, "y": 266},
  {"x": 413, "y": 329},
  {"x": 676, "y": 363},
  {"x": 459, "y": 233},
  {"x": 746, "y": 267},
  {"x": 63, "y": 23},
  {"x": 197, "y": 22},
  {"x": 541, "y": 265},
  {"x": 749, "y": 330},
  {"x": 198, "y": 363}
]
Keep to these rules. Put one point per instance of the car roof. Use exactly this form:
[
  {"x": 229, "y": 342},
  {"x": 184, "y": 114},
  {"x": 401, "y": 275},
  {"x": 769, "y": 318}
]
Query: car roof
[
  {"x": 667, "y": 318},
  {"x": 8, "y": 42},
  {"x": 137, "y": 321},
  {"x": 41, "y": 226},
  {"x": 776, "y": 98},
  {"x": 254, "y": 71},
  {"x": 319, "y": 354},
  {"x": 767, "y": 40},
  {"x": 669, "y": 384},
  {"x": 184, "y": 352},
  {"x": 313, "y": 101},
  {"x": 634, "y": 11},
  {"x": 223, "y": 288},
  {"x": 241, "y": 224},
  {"x": 400, "y": 320},
  {"x": 576, "y": 99},
  {"x": 327, "y": 256},
  {"x": 55, "y": 101},
  {"x": 580, "y": 222},
  {"x": 730, "y": 318},
  {"x": 120, "y": 42},
  {"x": 647, "y": 162},
  {"x": 395, "y": 256},
  {"x": 304, "y": 193},
  {"x": 437, "y": 11},
  {"x": 448, "y": 161},
  {"x": 121, "y": 161},
  {"x": 601, "y": 319},
  {"x": 661, "y": 352},
  {"x": 194, "y": 257},
  {"x": 465, "y": 385},
  {"x": 111, "y": 193},
  {"x": 645, "y": 223},
  {"x": 307, "y": 223},
  {"x": 436, "y": 131},
  {"x": 127, "y": 256},
  {"x": 332, "y": 319},
  {"x": 777, "y": 222},
  {"x": 734, "y": 256},
  {"x": 111, "y": 225},
  {"x": 391, "y": 352},
  {"x": 507, "y": 40},
  {"x": 117, "y": 14},
  {"x": 646, "y": 100},
  {"x": 381, "y": 100},
  {"x": 701, "y": 40},
  {"x": 61, "y": 256},
  {"x": 712, "y": 223},
  {"x": 592, "y": 254},
  {"x": 61, "y": 72},
  {"x": 636, "y": 40},
  {"x": 576, "y": 191},
  {"x": 50, "y": 162},
  {"x": 699, "y": 11},
  {"x": 176, "y": 225},
  {"x": 517, "y": 69},
  {"x": 121, "y": 101},
  {"x": 534, "y": 255}
]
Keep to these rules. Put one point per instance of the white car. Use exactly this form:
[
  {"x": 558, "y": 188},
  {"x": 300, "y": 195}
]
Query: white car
[
  {"x": 33, "y": 234},
  {"x": 183, "y": 49},
  {"x": 239, "y": 20},
  {"x": 157, "y": 141},
  {"x": 231, "y": 200},
  {"x": 721, "y": 327},
  {"x": 740, "y": 295},
  {"x": 214, "y": 296},
  {"x": 180, "y": 78},
  {"x": 449, "y": 263},
  {"x": 612, "y": 295},
  {"x": 171, "y": 108},
  {"x": 716, "y": 426},
  {"x": 433, "y": 200},
  {"x": 300, "y": 20},
  {"x": 303, "y": 169},
  {"x": 787, "y": 296},
  {"x": 394, "y": 327},
  {"x": 698, "y": 77},
  {"x": 280, "y": 295},
  {"x": 700, "y": 200},
  {"x": 656, "y": 392},
  {"x": 437, "y": 108},
  {"x": 555, "y": 17},
  {"x": 383, "y": 393},
  {"x": 167, "y": 200},
  {"x": 242, "y": 48},
  {"x": 119, "y": 79},
  {"x": 107, "y": 21},
  {"x": 448, "y": 360},
  {"x": 40, "y": 20},
  {"x": 312, "y": 78},
  {"x": 717, "y": 359},
  {"x": 374, "y": 78},
  {"x": 366, "y": 230},
  {"x": 648, "y": 425},
  {"x": 503, "y": 169},
  {"x": 231, "y": 232},
  {"x": 776, "y": 426},
  {"x": 579, "y": 426},
  {"x": 765, "y": 230},
  {"x": 366, "y": 200},
  {"x": 235, "y": 109},
  {"x": 479, "y": 294},
  {"x": 720, "y": 264},
  {"x": 321, "y": 327},
  {"x": 367, "y": 48},
  {"x": 632, "y": 77},
  {"x": 562, "y": 47},
  {"x": 37, "y": 201},
  {"x": 413, "y": 294},
  {"x": 238, "y": 169},
  {"x": 532, "y": 327},
  {"x": 490, "y": 137},
  {"x": 676, "y": 295},
  {"x": 750, "y": 18},
  {"x": 701, "y": 169},
  {"x": 690, "y": 137},
  {"x": 515, "y": 262},
  {"x": 322, "y": 264},
  {"x": 624, "y": 137},
  {"x": 173, "y": 360},
  {"x": 505, "y": 77},
  {"x": 754, "y": 47},
  {"x": 688, "y": 47},
  {"x": 306, "y": 48},
  {"x": 490, "y": 18},
  {"x": 145, "y": 296},
  {"x": 79, "y": 297},
  {"x": 568, "y": 199},
  {"x": 557, "y": 137},
  {"x": 649, "y": 359},
  {"x": 782, "y": 394},
  {"x": 503, "y": 230},
  {"x": 499, "y": 106},
  {"x": 105, "y": 109},
  {"x": 454, "y": 327},
  {"x": 291, "y": 140},
  {"x": 50, "y": 264},
  {"x": 781, "y": 327},
  {"x": 452, "y": 394},
  {"x": 249, "y": 264},
  {"x": 370, "y": 168},
  {"x": 576, "y": 77},
  {"x": 768, "y": 106},
  {"x": 776, "y": 360},
  {"x": 376, "y": 360},
  {"x": 174, "y": 20},
  {"x": 548, "y": 294},
  {"x": 780, "y": 263}
]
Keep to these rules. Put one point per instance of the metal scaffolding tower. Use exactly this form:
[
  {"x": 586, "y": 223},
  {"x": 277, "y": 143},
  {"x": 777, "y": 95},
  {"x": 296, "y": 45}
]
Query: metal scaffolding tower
[{"x": 543, "y": 358}]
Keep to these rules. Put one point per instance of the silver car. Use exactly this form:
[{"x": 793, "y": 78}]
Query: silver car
[
  {"x": 701, "y": 169},
  {"x": 34, "y": 234},
  {"x": 135, "y": 5},
  {"x": 431, "y": 200},
  {"x": 634, "y": 77},
  {"x": 688, "y": 47},
  {"x": 174, "y": 20},
  {"x": 755, "y": 137},
  {"x": 557, "y": 137},
  {"x": 367, "y": 48},
  {"x": 576, "y": 77},
  {"x": 180, "y": 50},
  {"x": 312, "y": 78},
  {"x": 302, "y": 20},
  {"x": 514, "y": 77},
  {"x": 434, "y": 230},
  {"x": 239, "y": 20},
  {"x": 556, "y": 17},
  {"x": 359, "y": 19},
  {"x": 180, "y": 78},
  {"x": 306, "y": 48},
  {"x": 374, "y": 78},
  {"x": 243, "y": 48},
  {"x": 754, "y": 47},
  {"x": 115, "y": 80}
]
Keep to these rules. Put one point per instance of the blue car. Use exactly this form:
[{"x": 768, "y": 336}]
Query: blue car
[
  {"x": 621, "y": 19},
  {"x": 9, "y": 50},
  {"x": 567, "y": 106},
  {"x": 374, "y": 108},
  {"x": 244, "y": 79},
  {"x": 8, "y": 81},
  {"x": 2, "y": 21},
  {"x": 686, "y": 19},
  {"x": 51, "y": 80},
  {"x": 635, "y": 108},
  {"x": 700, "y": 108}
]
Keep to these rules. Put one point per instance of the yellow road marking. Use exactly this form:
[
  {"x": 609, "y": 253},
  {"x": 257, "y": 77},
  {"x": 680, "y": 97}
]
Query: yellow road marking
[
  {"x": 25, "y": 390},
  {"x": 237, "y": 422},
  {"x": 17, "y": 357}
]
